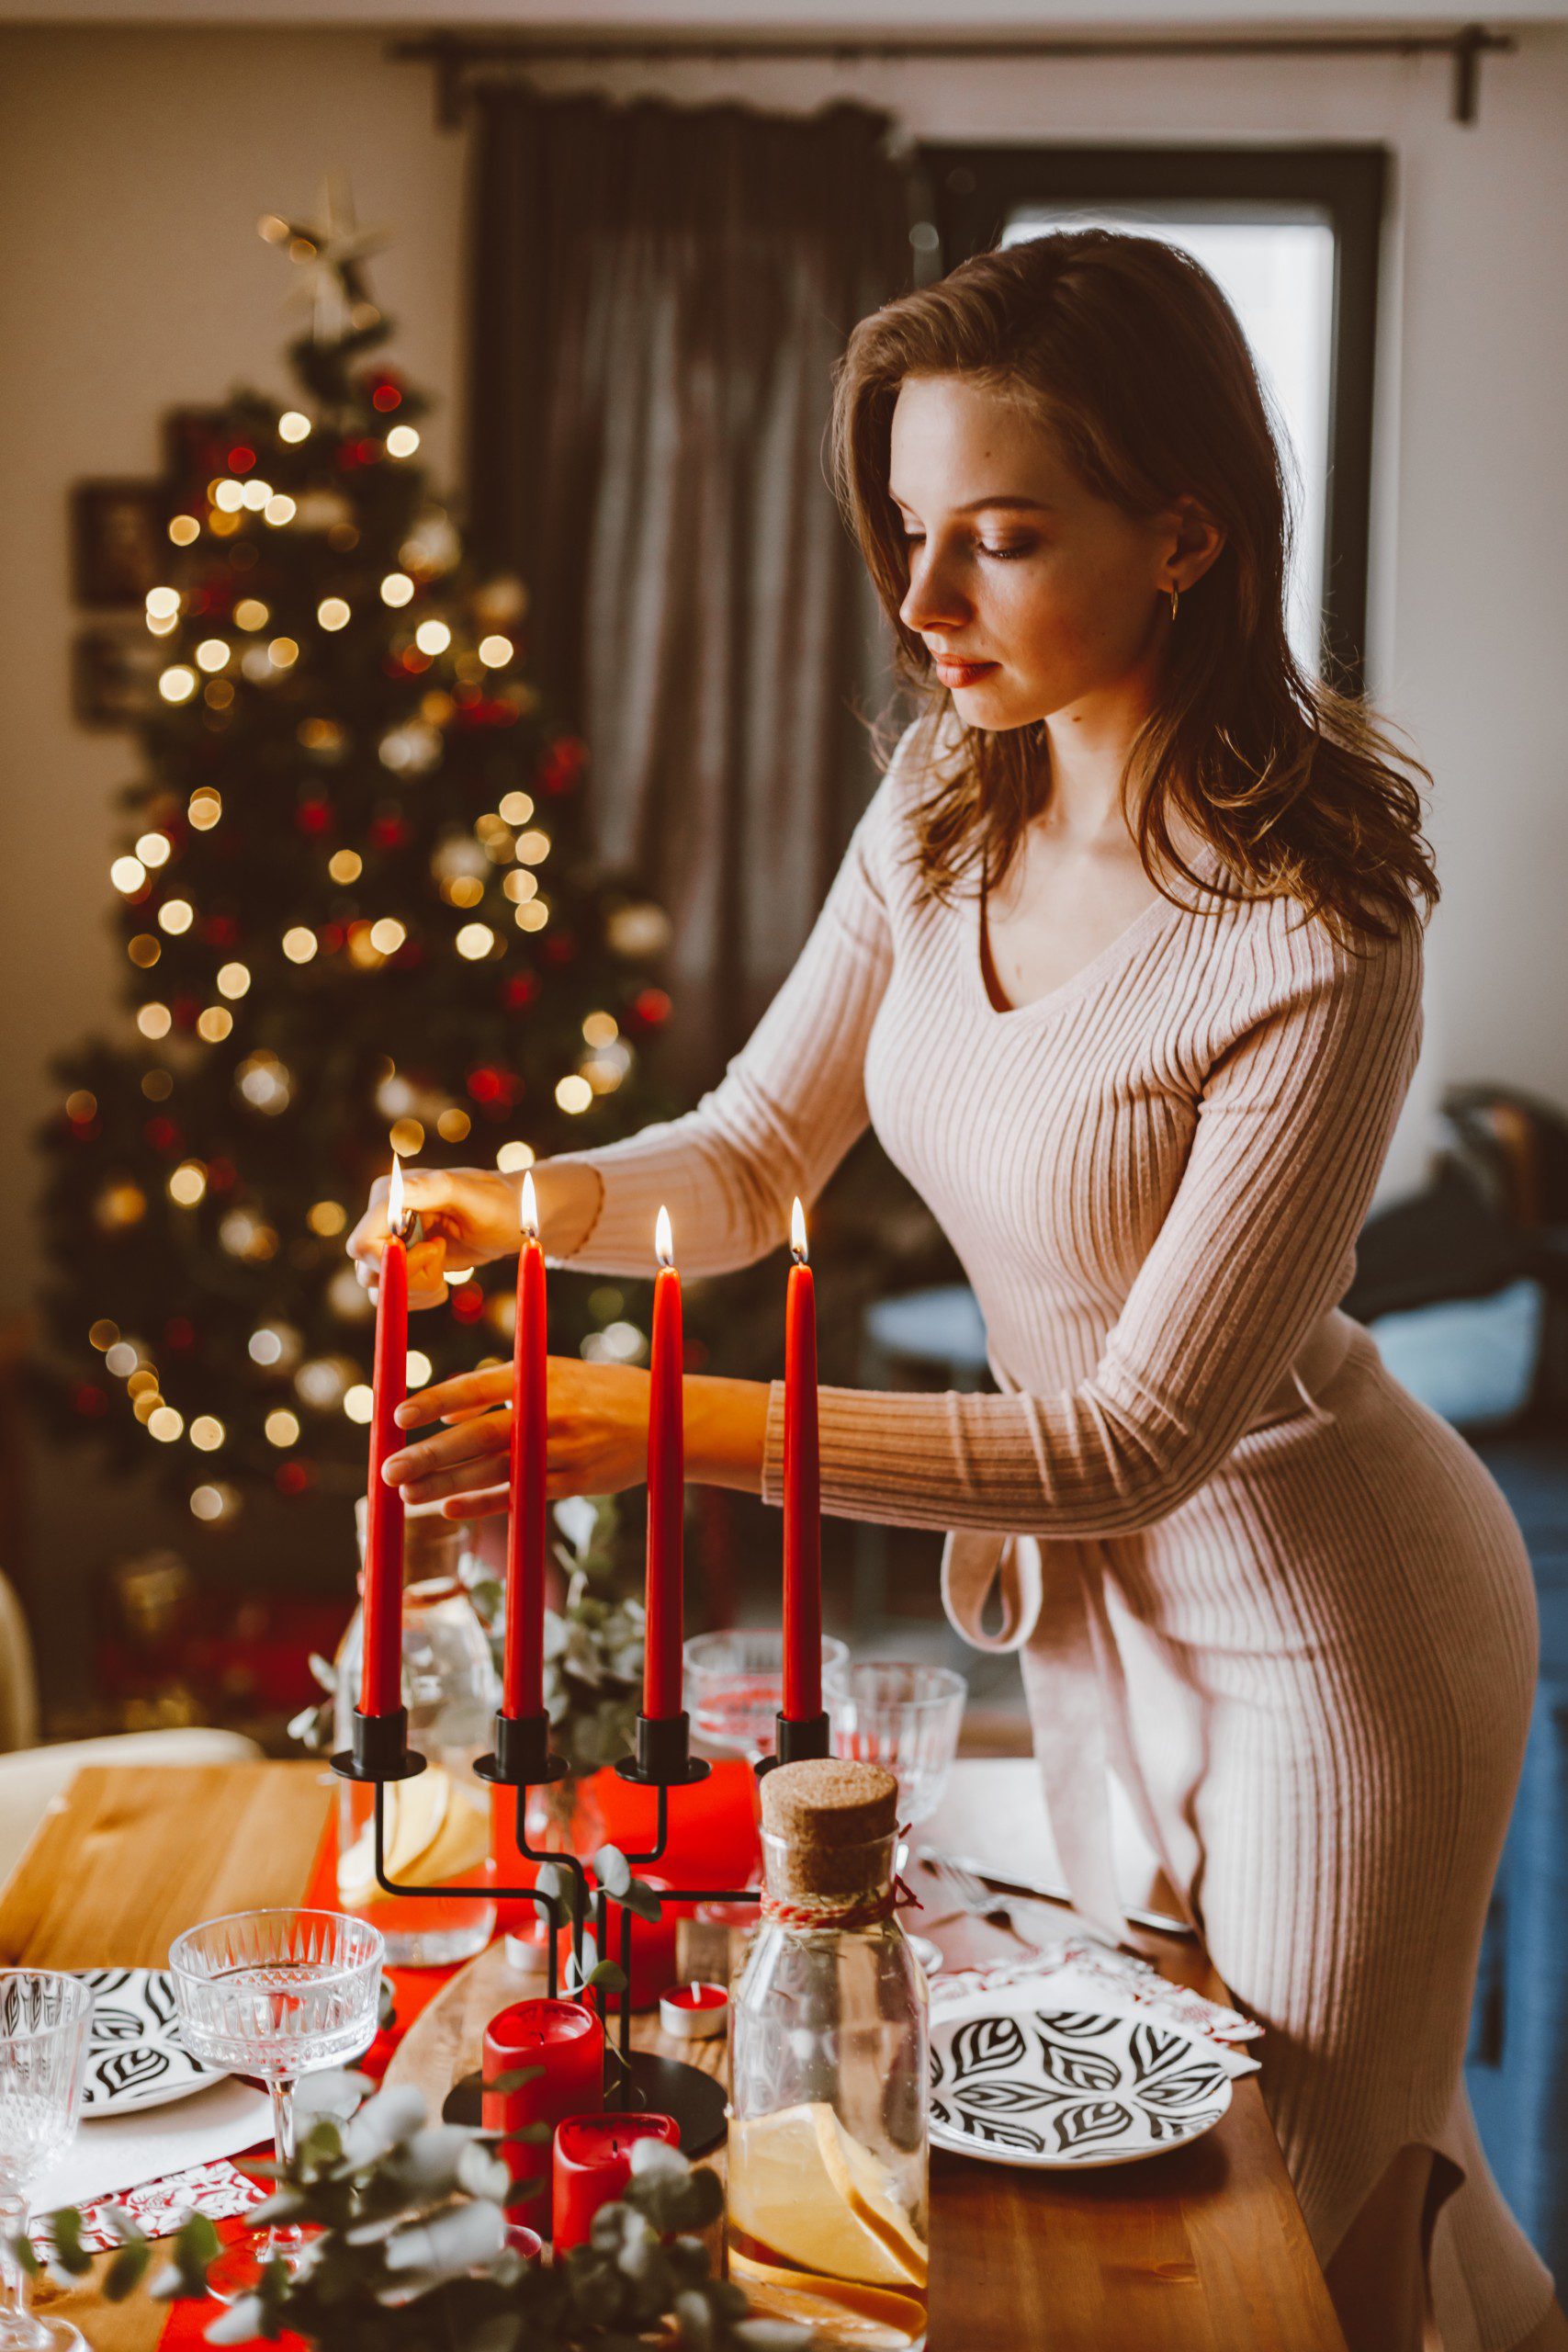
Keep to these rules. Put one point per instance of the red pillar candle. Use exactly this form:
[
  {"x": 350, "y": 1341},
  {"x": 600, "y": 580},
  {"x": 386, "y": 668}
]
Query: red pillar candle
[
  {"x": 661, "y": 1679},
  {"x": 523, "y": 1664},
  {"x": 802, "y": 1493},
  {"x": 566, "y": 2040},
  {"x": 383, "y": 1682},
  {"x": 592, "y": 2166}
]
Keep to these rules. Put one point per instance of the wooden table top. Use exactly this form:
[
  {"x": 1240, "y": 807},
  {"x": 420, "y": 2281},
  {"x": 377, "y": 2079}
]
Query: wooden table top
[{"x": 1201, "y": 2250}]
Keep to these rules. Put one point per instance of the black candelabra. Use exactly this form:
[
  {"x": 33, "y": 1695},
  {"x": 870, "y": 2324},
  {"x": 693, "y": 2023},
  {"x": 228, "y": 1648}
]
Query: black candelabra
[{"x": 522, "y": 1759}]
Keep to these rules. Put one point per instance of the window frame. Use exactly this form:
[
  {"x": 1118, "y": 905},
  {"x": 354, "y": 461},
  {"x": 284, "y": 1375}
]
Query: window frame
[{"x": 972, "y": 189}]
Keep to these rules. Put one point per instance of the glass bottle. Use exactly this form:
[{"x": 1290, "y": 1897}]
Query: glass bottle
[
  {"x": 829, "y": 2070},
  {"x": 435, "y": 1826}
]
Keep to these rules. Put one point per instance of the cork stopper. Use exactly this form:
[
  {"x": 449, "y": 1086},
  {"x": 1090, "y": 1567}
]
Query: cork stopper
[{"x": 830, "y": 1820}]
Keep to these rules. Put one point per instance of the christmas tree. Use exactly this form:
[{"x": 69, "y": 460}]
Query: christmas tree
[{"x": 360, "y": 916}]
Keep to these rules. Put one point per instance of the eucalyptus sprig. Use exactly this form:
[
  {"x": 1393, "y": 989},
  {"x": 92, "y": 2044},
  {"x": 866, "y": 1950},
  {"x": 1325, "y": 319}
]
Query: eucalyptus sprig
[{"x": 413, "y": 2254}]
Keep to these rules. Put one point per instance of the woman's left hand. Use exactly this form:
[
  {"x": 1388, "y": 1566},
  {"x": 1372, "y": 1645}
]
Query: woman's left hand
[{"x": 596, "y": 1439}]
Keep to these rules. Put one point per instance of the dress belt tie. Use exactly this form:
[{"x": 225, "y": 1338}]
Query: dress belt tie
[{"x": 1072, "y": 1668}]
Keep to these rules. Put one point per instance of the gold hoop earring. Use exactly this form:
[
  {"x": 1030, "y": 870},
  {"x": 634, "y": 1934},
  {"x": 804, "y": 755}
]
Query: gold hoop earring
[{"x": 1175, "y": 599}]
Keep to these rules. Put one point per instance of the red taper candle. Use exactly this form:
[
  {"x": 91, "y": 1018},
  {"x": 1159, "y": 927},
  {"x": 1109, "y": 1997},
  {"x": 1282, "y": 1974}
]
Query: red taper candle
[
  {"x": 802, "y": 1493},
  {"x": 522, "y": 1658},
  {"x": 383, "y": 1682},
  {"x": 662, "y": 1675}
]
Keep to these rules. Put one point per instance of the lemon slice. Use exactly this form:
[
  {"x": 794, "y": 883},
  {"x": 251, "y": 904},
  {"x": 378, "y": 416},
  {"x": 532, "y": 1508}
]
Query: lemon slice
[
  {"x": 461, "y": 1842},
  {"x": 413, "y": 1813},
  {"x": 787, "y": 2193},
  {"x": 871, "y": 2318}
]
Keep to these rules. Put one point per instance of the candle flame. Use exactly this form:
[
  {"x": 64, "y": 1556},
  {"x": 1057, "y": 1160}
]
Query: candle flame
[
  {"x": 797, "y": 1233},
  {"x": 530, "y": 1211},
  {"x": 664, "y": 1241},
  {"x": 395, "y": 1197}
]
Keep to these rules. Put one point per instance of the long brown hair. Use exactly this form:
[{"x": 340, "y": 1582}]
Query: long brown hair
[{"x": 1128, "y": 350}]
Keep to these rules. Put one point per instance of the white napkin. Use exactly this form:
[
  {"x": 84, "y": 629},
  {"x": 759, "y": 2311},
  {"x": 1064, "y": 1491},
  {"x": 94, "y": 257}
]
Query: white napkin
[
  {"x": 1079, "y": 1972},
  {"x": 122, "y": 2151},
  {"x": 992, "y": 1818}
]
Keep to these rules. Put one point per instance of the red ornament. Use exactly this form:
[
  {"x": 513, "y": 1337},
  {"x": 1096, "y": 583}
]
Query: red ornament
[
  {"x": 89, "y": 1401},
  {"x": 469, "y": 1303},
  {"x": 241, "y": 459},
  {"x": 563, "y": 764},
  {"x": 651, "y": 1006},
  {"x": 161, "y": 1134},
  {"x": 179, "y": 1333},
  {"x": 520, "y": 989},
  {"x": 386, "y": 396},
  {"x": 388, "y": 833},
  {"x": 292, "y": 1479},
  {"x": 313, "y": 816},
  {"x": 488, "y": 1084}
]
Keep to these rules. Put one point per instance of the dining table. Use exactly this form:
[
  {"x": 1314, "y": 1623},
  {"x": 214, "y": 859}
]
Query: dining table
[{"x": 1201, "y": 2249}]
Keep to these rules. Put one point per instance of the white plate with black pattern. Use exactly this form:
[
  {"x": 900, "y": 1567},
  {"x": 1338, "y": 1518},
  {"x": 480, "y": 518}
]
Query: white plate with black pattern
[
  {"x": 1073, "y": 2090},
  {"x": 135, "y": 2056}
]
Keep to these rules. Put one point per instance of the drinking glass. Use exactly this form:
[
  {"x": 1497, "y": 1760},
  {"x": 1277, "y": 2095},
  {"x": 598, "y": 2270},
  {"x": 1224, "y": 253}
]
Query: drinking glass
[
  {"x": 44, "y": 2019},
  {"x": 279, "y": 1994},
  {"x": 734, "y": 1691},
  {"x": 906, "y": 1717},
  {"x": 735, "y": 1687}
]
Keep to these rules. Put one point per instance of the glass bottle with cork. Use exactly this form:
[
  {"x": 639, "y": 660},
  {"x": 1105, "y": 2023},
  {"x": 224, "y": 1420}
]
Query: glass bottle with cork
[
  {"x": 436, "y": 1825},
  {"x": 829, "y": 2070}
]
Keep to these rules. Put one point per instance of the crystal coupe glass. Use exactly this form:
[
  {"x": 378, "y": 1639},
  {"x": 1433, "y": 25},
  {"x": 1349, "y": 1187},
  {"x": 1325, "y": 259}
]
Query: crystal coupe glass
[
  {"x": 279, "y": 1994},
  {"x": 44, "y": 2019}
]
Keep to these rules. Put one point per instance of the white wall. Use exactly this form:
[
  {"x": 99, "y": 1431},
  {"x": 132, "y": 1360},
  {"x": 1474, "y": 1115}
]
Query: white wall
[{"x": 133, "y": 164}]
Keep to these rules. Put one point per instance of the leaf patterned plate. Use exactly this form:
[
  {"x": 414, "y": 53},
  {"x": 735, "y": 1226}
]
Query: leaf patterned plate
[
  {"x": 1014, "y": 2084},
  {"x": 135, "y": 2056}
]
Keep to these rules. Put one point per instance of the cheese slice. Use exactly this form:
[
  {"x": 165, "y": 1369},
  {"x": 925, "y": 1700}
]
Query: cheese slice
[
  {"x": 871, "y": 2318},
  {"x": 795, "y": 2190}
]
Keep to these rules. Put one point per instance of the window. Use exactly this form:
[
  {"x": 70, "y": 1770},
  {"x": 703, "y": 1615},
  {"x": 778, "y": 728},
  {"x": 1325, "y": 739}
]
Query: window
[{"x": 1291, "y": 237}]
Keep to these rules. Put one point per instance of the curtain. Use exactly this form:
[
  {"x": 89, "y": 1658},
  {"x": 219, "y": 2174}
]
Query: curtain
[{"x": 660, "y": 295}]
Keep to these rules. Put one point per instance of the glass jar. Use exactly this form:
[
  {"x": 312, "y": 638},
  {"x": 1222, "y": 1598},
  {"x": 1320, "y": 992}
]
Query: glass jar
[
  {"x": 435, "y": 1826},
  {"x": 829, "y": 2071}
]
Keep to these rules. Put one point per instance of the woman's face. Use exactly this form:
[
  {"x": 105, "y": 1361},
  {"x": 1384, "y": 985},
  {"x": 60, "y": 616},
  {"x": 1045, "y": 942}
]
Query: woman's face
[{"x": 1031, "y": 593}]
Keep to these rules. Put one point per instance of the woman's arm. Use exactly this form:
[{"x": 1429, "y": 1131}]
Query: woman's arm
[
  {"x": 1260, "y": 1241},
  {"x": 791, "y": 1104}
]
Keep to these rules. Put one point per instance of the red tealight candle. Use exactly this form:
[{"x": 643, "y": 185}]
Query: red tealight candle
[
  {"x": 694, "y": 2012},
  {"x": 566, "y": 2040},
  {"x": 662, "y": 1680},
  {"x": 523, "y": 1664},
  {"x": 383, "y": 1682},
  {"x": 802, "y": 1493},
  {"x": 592, "y": 2166}
]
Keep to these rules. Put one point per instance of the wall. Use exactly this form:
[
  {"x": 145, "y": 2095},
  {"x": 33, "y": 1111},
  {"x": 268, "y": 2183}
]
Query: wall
[{"x": 134, "y": 165}]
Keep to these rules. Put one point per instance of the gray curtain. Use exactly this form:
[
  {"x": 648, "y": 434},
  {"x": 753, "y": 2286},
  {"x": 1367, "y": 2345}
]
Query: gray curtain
[{"x": 660, "y": 295}]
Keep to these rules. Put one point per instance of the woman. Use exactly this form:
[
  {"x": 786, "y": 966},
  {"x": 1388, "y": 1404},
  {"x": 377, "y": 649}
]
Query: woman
[{"x": 1124, "y": 966}]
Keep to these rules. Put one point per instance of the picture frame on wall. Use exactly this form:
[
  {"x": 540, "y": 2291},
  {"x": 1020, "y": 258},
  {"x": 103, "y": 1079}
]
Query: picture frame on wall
[
  {"x": 114, "y": 675},
  {"x": 119, "y": 542}
]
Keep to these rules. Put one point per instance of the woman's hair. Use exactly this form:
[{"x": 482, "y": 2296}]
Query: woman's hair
[{"x": 1128, "y": 351}]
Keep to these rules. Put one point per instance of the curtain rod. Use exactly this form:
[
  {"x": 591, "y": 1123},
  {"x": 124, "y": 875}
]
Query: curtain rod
[{"x": 454, "y": 54}]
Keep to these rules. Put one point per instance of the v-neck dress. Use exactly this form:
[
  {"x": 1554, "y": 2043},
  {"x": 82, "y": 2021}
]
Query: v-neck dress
[{"x": 1243, "y": 1569}]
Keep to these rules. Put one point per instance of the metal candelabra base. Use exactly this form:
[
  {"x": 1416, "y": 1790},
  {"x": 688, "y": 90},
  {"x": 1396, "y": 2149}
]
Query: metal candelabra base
[{"x": 522, "y": 1759}]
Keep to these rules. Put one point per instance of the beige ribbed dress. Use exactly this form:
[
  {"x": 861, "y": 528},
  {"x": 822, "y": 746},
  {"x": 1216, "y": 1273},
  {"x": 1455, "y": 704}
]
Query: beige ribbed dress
[{"x": 1244, "y": 1569}]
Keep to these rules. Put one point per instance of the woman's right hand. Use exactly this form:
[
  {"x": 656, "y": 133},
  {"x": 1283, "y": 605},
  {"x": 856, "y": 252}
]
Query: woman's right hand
[{"x": 470, "y": 1216}]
